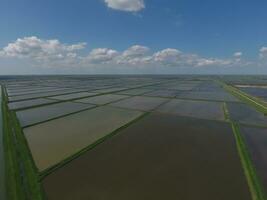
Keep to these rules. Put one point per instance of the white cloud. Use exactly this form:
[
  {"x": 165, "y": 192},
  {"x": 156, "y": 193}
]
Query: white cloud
[
  {"x": 238, "y": 54},
  {"x": 54, "y": 53},
  {"x": 134, "y": 55},
  {"x": 101, "y": 55},
  {"x": 263, "y": 52},
  {"x": 167, "y": 56},
  {"x": 135, "y": 51},
  {"x": 126, "y": 5},
  {"x": 38, "y": 49}
]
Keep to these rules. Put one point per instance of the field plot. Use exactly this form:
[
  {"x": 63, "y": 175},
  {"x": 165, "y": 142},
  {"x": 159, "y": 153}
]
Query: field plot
[
  {"x": 198, "y": 109},
  {"x": 44, "y": 113},
  {"x": 163, "y": 93},
  {"x": 256, "y": 140},
  {"x": 102, "y": 99},
  {"x": 213, "y": 96},
  {"x": 73, "y": 96},
  {"x": 256, "y": 92},
  {"x": 245, "y": 114},
  {"x": 144, "y": 161},
  {"x": 109, "y": 90},
  {"x": 138, "y": 91},
  {"x": 53, "y": 141},
  {"x": 28, "y": 91},
  {"x": 209, "y": 86},
  {"x": 43, "y": 94},
  {"x": 29, "y": 103},
  {"x": 140, "y": 103}
]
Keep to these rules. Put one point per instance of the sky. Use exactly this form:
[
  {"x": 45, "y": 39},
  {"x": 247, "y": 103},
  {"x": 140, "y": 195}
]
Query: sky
[{"x": 133, "y": 37}]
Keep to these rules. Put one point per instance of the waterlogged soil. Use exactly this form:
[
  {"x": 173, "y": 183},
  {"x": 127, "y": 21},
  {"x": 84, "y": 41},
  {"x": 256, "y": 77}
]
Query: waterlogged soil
[
  {"x": 163, "y": 93},
  {"x": 140, "y": 103},
  {"x": 208, "y": 95},
  {"x": 48, "y": 112},
  {"x": 102, "y": 99},
  {"x": 30, "y": 90},
  {"x": 54, "y": 141},
  {"x": 158, "y": 157},
  {"x": 73, "y": 96},
  {"x": 29, "y": 103},
  {"x": 110, "y": 90},
  {"x": 245, "y": 114},
  {"x": 256, "y": 140},
  {"x": 138, "y": 91},
  {"x": 257, "y": 92},
  {"x": 198, "y": 109},
  {"x": 38, "y": 95}
]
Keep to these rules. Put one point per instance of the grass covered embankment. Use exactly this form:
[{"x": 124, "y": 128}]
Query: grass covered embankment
[{"x": 22, "y": 180}]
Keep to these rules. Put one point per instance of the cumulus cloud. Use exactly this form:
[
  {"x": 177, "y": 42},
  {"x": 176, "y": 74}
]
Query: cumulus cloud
[
  {"x": 126, "y": 5},
  {"x": 238, "y": 54},
  {"x": 168, "y": 56},
  {"x": 134, "y": 55},
  {"x": 263, "y": 53},
  {"x": 54, "y": 53},
  {"x": 102, "y": 56},
  {"x": 38, "y": 49}
]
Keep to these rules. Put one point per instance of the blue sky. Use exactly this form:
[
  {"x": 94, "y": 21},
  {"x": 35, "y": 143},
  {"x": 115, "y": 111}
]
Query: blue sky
[{"x": 133, "y": 36}]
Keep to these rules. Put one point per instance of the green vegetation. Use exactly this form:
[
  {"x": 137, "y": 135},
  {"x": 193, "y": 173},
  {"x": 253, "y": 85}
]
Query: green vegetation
[
  {"x": 13, "y": 179},
  {"x": 226, "y": 113},
  {"x": 255, "y": 102},
  {"x": 21, "y": 176},
  {"x": 254, "y": 184}
]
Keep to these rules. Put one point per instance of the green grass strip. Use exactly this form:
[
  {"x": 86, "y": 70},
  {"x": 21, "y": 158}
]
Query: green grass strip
[
  {"x": 12, "y": 172},
  {"x": 22, "y": 174},
  {"x": 256, "y": 103},
  {"x": 226, "y": 113},
  {"x": 255, "y": 187}
]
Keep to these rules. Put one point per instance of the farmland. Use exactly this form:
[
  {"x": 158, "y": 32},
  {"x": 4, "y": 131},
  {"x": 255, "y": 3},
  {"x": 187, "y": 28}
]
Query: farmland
[{"x": 134, "y": 137}]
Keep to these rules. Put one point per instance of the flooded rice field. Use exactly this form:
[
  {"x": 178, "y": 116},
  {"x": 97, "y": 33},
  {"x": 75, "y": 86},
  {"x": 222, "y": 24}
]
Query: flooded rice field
[
  {"x": 145, "y": 162},
  {"x": 140, "y": 103},
  {"x": 256, "y": 139},
  {"x": 73, "y": 96},
  {"x": 198, "y": 109},
  {"x": 208, "y": 95},
  {"x": 137, "y": 137},
  {"x": 102, "y": 99},
  {"x": 39, "y": 114},
  {"x": 30, "y": 103},
  {"x": 245, "y": 114},
  {"x": 55, "y": 140}
]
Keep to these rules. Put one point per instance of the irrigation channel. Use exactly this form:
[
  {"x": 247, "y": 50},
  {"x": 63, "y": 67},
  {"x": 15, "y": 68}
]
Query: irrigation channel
[{"x": 2, "y": 164}]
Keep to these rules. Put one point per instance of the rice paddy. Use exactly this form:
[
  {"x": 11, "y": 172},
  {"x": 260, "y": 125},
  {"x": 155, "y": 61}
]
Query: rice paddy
[
  {"x": 256, "y": 139},
  {"x": 133, "y": 137},
  {"x": 145, "y": 161}
]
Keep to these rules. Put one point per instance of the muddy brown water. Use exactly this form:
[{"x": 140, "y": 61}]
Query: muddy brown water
[
  {"x": 73, "y": 96},
  {"x": 29, "y": 103},
  {"x": 158, "y": 157},
  {"x": 140, "y": 103},
  {"x": 102, "y": 99},
  {"x": 43, "y": 113},
  {"x": 56, "y": 140},
  {"x": 245, "y": 114},
  {"x": 197, "y": 109}
]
